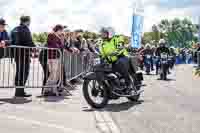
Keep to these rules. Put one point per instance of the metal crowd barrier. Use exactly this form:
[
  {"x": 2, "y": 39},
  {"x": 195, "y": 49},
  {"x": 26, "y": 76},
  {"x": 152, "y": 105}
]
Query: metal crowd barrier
[
  {"x": 76, "y": 65},
  {"x": 26, "y": 67}
]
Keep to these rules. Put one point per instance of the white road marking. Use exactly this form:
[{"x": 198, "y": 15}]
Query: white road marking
[{"x": 105, "y": 122}]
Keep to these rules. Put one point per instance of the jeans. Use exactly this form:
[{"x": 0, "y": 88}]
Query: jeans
[{"x": 151, "y": 62}]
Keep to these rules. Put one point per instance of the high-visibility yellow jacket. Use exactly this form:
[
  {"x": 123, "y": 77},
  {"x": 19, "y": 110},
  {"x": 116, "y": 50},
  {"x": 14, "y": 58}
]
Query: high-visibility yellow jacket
[{"x": 110, "y": 46}]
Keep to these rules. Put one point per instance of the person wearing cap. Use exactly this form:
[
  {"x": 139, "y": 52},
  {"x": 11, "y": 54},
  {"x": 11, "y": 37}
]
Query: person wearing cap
[
  {"x": 3, "y": 33},
  {"x": 21, "y": 36}
]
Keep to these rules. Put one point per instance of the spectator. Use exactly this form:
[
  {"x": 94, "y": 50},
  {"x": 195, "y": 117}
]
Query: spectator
[
  {"x": 91, "y": 45},
  {"x": 21, "y": 36},
  {"x": 54, "y": 40},
  {"x": 3, "y": 37},
  {"x": 43, "y": 58},
  {"x": 196, "y": 52},
  {"x": 69, "y": 45},
  {"x": 97, "y": 43},
  {"x": 78, "y": 41},
  {"x": 189, "y": 56},
  {"x": 81, "y": 43}
]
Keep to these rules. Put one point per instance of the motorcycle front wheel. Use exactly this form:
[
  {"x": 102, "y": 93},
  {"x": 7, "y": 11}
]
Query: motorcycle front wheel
[{"x": 97, "y": 92}]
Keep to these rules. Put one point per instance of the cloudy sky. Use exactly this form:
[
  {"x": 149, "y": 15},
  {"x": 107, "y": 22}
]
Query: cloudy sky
[{"x": 92, "y": 14}]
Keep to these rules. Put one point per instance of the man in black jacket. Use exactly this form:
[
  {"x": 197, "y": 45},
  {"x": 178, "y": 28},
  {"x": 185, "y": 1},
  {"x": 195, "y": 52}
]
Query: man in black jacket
[{"x": 21, "y": 36}]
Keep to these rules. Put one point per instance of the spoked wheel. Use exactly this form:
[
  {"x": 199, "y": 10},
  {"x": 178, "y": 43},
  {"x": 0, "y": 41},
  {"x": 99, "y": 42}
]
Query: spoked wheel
[
  {"x": 134, "y": 98},
  {"x": 96, "y": 96}
]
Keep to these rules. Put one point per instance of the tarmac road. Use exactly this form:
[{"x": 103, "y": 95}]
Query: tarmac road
[{"x": 166, "y": 106}]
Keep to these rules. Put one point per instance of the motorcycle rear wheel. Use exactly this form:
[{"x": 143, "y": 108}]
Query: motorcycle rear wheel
[{"x": 134, "y": 98}]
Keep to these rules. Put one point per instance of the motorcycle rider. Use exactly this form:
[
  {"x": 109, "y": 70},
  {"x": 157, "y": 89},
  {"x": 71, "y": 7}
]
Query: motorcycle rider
[
  {"x": 148, "y": 51},
  {"x": 173, "y": 54},
  {"x": 113, "y": 52},
  {"x": 161, "y": 49}
]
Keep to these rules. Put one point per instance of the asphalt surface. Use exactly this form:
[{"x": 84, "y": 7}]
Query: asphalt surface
[
  {"x": 166, "y": 106},
  {"x": 67, "y": 114}
]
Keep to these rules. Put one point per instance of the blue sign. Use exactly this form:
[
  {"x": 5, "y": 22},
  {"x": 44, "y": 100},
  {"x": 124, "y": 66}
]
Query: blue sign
[{"x": 137, "y": 26}]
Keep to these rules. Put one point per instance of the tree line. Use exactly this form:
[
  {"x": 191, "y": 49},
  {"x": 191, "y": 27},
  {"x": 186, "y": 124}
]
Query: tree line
[{"x": 177, "y": 32}]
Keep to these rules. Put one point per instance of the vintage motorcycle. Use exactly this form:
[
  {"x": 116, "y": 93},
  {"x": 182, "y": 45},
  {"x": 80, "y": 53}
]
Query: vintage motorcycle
[
  {"x": 164, "y": 66},
  {"x": 97, "y": 94}
]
